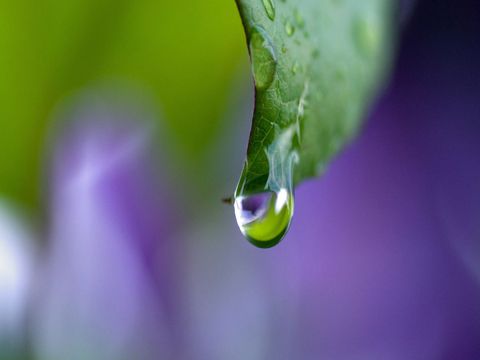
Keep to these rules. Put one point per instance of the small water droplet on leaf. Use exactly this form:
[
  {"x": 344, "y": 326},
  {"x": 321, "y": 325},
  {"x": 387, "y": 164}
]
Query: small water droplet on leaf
[
  {"x": 264, "y": 59},
  {"x": 295, "y": 67},
  {"x": 289, "y": 29},
  {"x": 299, "y": 18},
  {"x": 366, "y": 36},
  {"x": 269, "y": 8}
]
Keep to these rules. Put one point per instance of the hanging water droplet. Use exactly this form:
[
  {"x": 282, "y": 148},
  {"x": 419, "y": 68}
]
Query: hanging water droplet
[
  {"x": 264, "y": 59},
  {"x": 264, "y": 218},
  {"x": 269, "y": 8},
  {"x": 289, "y": 29},
  {"x": 264, "y": 206}
]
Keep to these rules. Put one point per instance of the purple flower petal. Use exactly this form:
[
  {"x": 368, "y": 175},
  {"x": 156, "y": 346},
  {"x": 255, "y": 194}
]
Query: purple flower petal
[{"x": 107, "y": 288}]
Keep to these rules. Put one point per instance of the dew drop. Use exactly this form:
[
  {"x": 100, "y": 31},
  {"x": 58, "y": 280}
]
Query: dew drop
[
  {"x": 264, "y": 218},
  {"x": 299, "y": 18},
  {"x": 289, "y": 29},
  {"x": 264, "y": 59},
  {"x": 366, "y": 36},
  {"x": 269, "y": 8},
  {"x": 295, "y": 67}
]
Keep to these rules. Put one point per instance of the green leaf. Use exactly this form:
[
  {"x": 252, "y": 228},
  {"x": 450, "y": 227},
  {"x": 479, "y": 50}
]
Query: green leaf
[{"x": 317, "y": 65}]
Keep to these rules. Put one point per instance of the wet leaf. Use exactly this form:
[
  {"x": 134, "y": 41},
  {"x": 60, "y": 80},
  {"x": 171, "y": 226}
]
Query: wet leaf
[{"x": 317, "y": 65}]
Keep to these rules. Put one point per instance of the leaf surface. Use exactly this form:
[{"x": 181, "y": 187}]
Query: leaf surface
[{"x": 317, "y": 64}]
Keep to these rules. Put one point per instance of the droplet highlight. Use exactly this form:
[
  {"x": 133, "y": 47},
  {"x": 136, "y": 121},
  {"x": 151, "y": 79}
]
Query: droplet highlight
[
  {"x": 263, "y": 57},
  {"x": 269, "y": 7},
  {"x": 264, "y": 218}
]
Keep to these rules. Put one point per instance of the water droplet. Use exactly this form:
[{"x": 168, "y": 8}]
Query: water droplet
[
  {"x": 295, "y": 67},
  {"x": 269, "y": 8},
  {"x": 298, "y": 18},
  {"x": 302, "y": 102},
  {"x": 289, "y": 29},
  {"x": 264, "y": 218},
  {"x": 366, "y": 36},
  {"x": 264, "y": 206},
  {"x": 264, "y": 59}
]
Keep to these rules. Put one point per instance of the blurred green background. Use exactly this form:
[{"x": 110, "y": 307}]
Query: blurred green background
[{"x": 176, "y": 51}]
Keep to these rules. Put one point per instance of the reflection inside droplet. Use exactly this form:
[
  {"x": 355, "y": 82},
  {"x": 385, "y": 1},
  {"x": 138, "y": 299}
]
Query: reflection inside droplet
[{"x": 264, "y": 218}]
